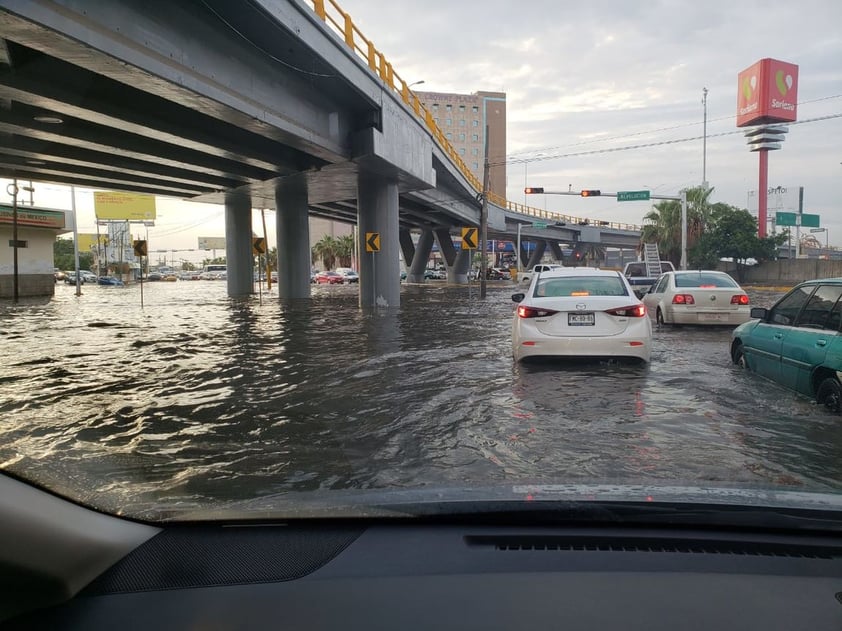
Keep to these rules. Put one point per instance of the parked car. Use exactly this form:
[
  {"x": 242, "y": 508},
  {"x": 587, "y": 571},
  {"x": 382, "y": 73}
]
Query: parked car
[
  {"x": 70, "y": 278},
  {"x": 498, "y": 273},
  {"x": 330, "y": 278},
  {"x": 109, "y": 280},
  {"x": 580, "y": 312},
  {"x": 697, "y": 297},
  {"x": 154, "y": 276},
  {"x": 435, "y": 274},
  {"x": 796, "y": 342},
  {"x": 350, "y": 275},
  {"x": 88, "y": 276}
]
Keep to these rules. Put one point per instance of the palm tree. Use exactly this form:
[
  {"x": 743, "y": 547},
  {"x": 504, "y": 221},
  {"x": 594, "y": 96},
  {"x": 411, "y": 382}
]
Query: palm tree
[
  {"x": 663, "y": 223},
  {"x": 325, "y": 249},
  {"x": 345, "y": 249}
]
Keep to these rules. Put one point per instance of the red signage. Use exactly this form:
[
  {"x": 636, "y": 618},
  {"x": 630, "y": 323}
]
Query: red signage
[{"x": 767, "y": 92}]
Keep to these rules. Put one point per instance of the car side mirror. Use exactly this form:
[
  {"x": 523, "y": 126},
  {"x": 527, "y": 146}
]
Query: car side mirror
[
  {"x": 759, "y": 313},
  {"x": 518, "y": 297}
]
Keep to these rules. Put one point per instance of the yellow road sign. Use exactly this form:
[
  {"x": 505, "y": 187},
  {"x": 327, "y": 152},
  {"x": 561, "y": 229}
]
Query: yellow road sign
[
  {"x": 139, "y": 247},
  {"x": 258, "y": 245},
  {"x": 469, "y": 238},
  {"x": 372, "y": 241}
]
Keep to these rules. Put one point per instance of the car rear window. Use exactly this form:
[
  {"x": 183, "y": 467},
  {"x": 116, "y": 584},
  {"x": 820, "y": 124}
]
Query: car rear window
[
  {"x": 580, "y": 286},
  {"x": 702, "y": 280}
]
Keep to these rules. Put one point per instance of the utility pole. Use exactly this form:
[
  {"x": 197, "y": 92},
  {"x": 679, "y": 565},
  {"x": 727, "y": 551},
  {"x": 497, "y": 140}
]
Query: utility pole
[
  {"x": 483, "y": 224},
  {"x": 705, "y": 139},
  {"x": 13, "y": 190}
]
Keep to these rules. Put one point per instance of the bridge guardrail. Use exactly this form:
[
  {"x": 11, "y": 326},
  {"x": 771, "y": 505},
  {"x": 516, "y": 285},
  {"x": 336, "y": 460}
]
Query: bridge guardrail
[{"x": 343, "y": 26}]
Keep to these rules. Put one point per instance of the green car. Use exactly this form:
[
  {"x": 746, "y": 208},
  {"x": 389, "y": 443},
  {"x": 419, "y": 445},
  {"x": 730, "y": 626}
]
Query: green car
[{"x": 796, "y": 342}]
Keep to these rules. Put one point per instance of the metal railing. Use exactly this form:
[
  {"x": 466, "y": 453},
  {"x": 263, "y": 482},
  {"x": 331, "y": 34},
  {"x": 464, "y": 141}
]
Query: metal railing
[{"x": 343, "y": 26}]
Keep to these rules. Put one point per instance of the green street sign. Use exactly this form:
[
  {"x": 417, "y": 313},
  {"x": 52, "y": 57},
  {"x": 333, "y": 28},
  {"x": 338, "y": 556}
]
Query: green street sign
[
  {"x": 539, "y": 224},
  {"x": 632, "y": 196},
  {"x": 809, "y": 221},
  {"x": 784, "y": 219},
  {"x": 792, "y": 219}
]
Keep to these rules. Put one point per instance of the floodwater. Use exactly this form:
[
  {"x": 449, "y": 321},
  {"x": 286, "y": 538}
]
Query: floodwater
[{"x": 196, "y": 400}]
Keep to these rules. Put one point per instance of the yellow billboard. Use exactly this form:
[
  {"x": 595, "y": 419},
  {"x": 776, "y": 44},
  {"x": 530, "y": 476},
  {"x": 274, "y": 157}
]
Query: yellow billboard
[
  {"x": 114, "y": 205},
  {"x": 87, "y": 241}
]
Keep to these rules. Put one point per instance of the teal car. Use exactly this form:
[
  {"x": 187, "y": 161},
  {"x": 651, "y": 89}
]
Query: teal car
[{"x": 796, "y": 342}]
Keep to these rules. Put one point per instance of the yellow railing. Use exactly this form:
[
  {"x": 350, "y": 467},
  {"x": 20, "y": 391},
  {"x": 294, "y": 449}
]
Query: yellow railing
[{"x": 341, "y": 23}]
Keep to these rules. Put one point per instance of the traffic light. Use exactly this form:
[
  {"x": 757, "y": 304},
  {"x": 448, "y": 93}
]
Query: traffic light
[
  {"x": 533, "y": 190},
  {"x": 590, "y": 193}
]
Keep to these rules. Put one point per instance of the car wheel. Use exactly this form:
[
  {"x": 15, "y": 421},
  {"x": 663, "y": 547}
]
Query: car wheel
[
  {"x": 739, "y": 357},
  {"x": 659, "y": 317},
  {"x": 829, "y": 394}
]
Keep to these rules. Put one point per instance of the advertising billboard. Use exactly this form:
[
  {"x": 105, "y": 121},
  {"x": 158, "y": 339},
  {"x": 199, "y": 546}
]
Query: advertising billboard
[
  {"x": 767, "y": 92},
  {"x": 211, "y": 243},
  {"x": 32, "y": 217},
  {"x": 117, "y": 206}
]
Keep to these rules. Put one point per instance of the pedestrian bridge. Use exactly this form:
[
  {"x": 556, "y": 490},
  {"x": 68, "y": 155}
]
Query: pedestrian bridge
[{"x": 279, "y": 104}]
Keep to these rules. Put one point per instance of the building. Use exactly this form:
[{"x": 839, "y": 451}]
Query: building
[
  {"x": 463, "y": 118},
  {"x": 37, "y": 231}
]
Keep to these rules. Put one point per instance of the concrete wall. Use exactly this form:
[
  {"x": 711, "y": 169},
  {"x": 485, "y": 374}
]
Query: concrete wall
[
  {"x": 35, "y": 263},
  {"x": 787, "y": 271}
]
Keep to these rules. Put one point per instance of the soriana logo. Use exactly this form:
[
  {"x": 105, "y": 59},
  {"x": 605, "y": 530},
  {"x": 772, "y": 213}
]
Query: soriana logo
[{"x": 767, "y": 92}]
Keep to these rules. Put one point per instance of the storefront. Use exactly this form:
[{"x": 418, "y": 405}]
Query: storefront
[{"x": 37, "y": 231}]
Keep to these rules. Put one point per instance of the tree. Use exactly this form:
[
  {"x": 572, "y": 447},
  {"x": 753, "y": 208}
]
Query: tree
[
  {"x": 345, "y": 249},
  {"x": 664, "y": 223},
  {"x": 219, "y": 260},
  {"x": 733, "y": 234},
  {"x": 325, "y": 250},
  {"x": 65, "y": 259}
]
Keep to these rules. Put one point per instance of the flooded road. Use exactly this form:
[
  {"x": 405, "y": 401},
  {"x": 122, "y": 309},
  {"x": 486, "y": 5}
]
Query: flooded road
[{"x": 197, "y": 399}]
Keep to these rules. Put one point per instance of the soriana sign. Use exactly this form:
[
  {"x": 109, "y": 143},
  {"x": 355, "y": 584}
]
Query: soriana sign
[{"x": 767, "y": 92}]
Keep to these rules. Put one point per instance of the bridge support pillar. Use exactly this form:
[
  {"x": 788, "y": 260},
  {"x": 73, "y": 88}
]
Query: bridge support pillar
[
  {"x": 238, "y": 244},
  {"x": 537, "y": 254},
  {"x": 293, "y": 238},
  {"x": 377, "y": 212},
  {"x": 420, "y": 257},
  {"x": 458, "y": 272},
  {"x": 555, "y": 246}
]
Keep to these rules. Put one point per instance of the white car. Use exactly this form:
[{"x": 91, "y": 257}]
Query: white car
[
  {"x": 697, "y": 297},
  {"x": 580, "y": 312}
]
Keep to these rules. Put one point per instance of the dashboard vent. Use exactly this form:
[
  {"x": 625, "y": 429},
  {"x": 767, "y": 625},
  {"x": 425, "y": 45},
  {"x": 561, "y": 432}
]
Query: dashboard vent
[{"x": 561, "y": 543}]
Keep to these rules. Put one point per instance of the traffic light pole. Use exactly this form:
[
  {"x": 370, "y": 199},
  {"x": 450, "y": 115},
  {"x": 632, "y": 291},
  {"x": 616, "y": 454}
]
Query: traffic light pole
[
  {"x": 594, "y": 193},
  {"x": 483, "y": 225}
]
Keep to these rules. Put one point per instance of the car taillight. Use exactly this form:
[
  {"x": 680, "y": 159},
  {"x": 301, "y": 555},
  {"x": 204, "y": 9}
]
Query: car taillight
[
  {"x": 633, "y": 311},
  {"x": 533, "y": 312},
  {"x": 683, "y": 299},
  {"x": 741, "y": 299}
]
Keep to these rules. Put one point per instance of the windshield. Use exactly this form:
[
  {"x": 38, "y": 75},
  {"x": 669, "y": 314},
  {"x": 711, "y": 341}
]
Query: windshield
[
  {"x": 306, "y": 234},
  {"x": 703, "y": 280},
  {"x": 580, "y": 286}
]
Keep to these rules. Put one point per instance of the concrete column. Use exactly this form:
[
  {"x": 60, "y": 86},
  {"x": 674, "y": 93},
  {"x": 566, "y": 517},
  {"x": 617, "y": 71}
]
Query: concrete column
[
  {"x": 555, "y": 246},
  {"x": 293, "y": 232},
  {"x": 407, "y": 246},
  {"x": 445, "y": 241},
  {"x": 377, "y": 211},
  {"x": 238, "y": 244},
  {"x": 422, "y": 255},
  {"x": 537, "y": 254},
  {"x": 458, "y": 273}
]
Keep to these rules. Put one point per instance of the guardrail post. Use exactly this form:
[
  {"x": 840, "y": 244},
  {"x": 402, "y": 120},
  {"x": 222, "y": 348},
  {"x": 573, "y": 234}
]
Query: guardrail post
[
  {"x": 319, "y": 8},
  {"x": 349, "y": 31}
]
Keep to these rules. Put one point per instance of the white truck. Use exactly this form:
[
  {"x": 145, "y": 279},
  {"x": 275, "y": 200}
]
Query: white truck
[
  {"x": 639, "y": 279},
  {"x": 526, "y": 277}
]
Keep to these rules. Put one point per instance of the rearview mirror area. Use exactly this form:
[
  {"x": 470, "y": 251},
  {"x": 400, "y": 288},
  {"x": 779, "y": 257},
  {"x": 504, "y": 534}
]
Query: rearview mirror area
[
  {"x": 518, "y": 297},
  {"x": 758, "y": 313}
]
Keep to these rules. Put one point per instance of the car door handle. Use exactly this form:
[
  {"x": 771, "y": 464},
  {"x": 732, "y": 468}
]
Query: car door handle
[
  {"x": 779, "y": 336},
  {"x": 821, "y": 342}
]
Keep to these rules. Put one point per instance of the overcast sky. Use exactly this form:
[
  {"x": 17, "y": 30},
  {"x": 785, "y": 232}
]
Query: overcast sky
[{"x": 598, "y": 75}]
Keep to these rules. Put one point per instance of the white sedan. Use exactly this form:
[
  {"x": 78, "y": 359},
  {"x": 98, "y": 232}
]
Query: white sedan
[
  {"x": 580, "y": 312},
  {"x": 697, "y": 297}
]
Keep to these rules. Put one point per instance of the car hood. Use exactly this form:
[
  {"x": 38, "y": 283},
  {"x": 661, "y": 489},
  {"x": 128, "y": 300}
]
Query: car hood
[{"x": 554, "y": 504}]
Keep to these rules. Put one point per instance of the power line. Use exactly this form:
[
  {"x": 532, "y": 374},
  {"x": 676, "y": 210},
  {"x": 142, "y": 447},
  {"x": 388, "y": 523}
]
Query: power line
[
  {"x": 655, "y": 144},
  {"x": 514, "y": 158}
]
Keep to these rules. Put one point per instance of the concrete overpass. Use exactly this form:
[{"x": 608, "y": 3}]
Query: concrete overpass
[{"x": 278, "y": 104}]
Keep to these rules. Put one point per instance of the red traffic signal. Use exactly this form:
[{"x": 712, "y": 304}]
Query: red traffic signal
[
  {"x": 590, "y": 193},
  {"x": 533, "y": 190}
]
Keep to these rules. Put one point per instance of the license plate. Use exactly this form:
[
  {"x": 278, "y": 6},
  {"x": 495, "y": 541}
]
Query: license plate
[
  {"x": 711, "y": 317},
  {"x": 580, "y": 319}
]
